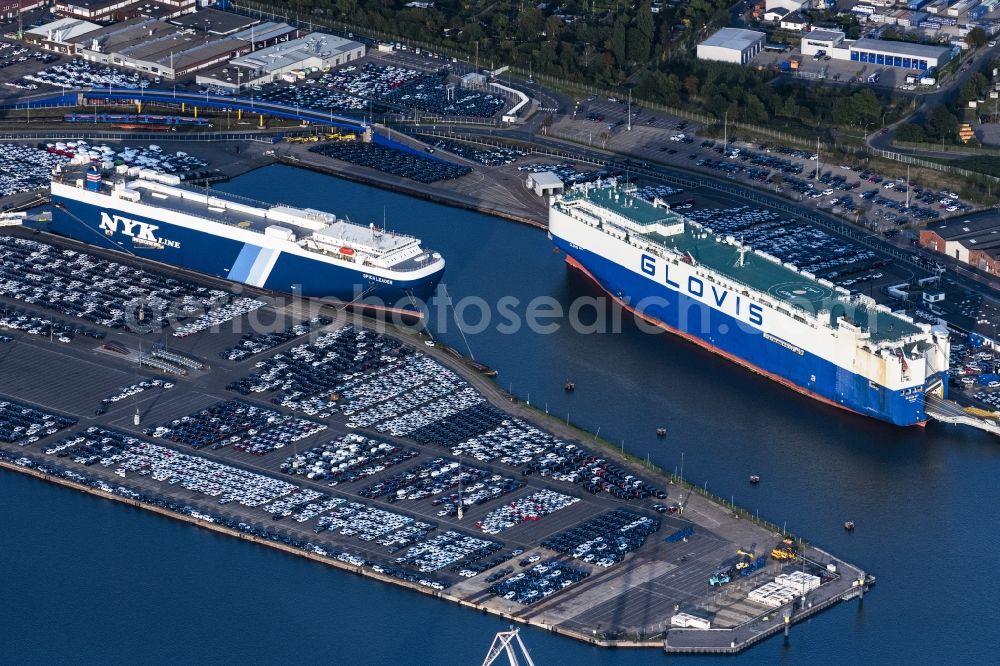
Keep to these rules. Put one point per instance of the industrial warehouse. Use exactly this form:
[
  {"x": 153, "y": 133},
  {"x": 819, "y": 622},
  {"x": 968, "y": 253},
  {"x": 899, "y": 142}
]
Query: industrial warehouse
[
  {"x": 157, "y": 47},
  {"x": 974, "y": 242},
  {"x": 733, "y": 45},
  {"x": 875, "y": 51},
  {"x": 313, "y": 51}
]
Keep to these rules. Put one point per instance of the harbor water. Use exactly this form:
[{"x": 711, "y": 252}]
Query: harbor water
[{"x": 90, "y": 580}]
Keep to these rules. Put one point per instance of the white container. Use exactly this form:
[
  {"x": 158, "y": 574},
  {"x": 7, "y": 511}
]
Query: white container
[
  {"x": 276, "y": 231},
  {"x": 689, "y": 621}
]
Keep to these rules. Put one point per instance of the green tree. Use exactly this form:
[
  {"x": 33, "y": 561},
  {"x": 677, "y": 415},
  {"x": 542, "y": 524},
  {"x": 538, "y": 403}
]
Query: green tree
[
  {"x": 843, "y": 112},
  {"x": 754, "y": 110},
  {"x": 866, "y": 106},
  {"x": 529, "y": 24},
  {"x": 976, "y": 38},
  {"x": 638, "y": 46},
  {"x": 553, "y": 28},
  {"x": 942, "y": 123},
  {"x": 790, "y": 109},
  {"x": 911, "y": 132},
  {"x": 691, "y": 85},
  {"x": 618, "y": 47},
  {"x": 641, "y": 43}
]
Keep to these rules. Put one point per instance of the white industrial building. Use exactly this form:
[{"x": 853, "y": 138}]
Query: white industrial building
[
  {"x": 775, "y": 14},
  {"x": 787, "y": 5},
  {"x": 831, "y": 42},
  {"x": 877, "y": 52},
  {"x": 899, "y": 54},
  {"x": 544, "y": 183},
  {"x": 794, "y": 21},
  {"x": 58, "y": 35},
  {"x": 734, "y": 45},
  {"x": 315, "y": 50}
]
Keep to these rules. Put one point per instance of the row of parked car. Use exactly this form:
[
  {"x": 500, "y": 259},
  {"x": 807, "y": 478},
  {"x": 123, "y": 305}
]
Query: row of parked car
[
  {"x": 247, "y": 427},
  {"x": 79, "y": 284},
  {"x": 25, "y": 168},
  {"x": 258, "y": 530},
  {"x": 393, "y": 161},
  {"x": 569, "y": 174},
  {"x": 290, "y": 503},
  {"x": 401, "y": 385},
  {"x": 251, "y": 344},
  {"x": 430, "y": 477},
  {"x": 129, "y": 455},
  {"x": 79, "y": 73},
  {"x": 538, "y": 582},
  {"x": 37, "y": 323},
  {"x": 217, "y": 316},
  {"x": 806, "y": 246},
  {"x": 606, "y": 539},
  {"x": 486, "y": 155},
  {"x": 446, "y": 549},
  {"x": 311, "y": 377},
  {"x": 412, "y": 89},
  {"x": 352, "y": 457},
  {"x": 133, "y": 390},
  {"x": 23, "y": 424},
  {"x": 532, "y": 507}
]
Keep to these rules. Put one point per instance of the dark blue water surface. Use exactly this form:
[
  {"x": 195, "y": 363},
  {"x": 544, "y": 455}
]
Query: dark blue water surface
[{"x": 86, "y": 579}]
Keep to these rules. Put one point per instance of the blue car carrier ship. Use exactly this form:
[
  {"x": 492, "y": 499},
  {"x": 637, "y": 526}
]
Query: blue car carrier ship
[
  {"x": 751, "y": 308},
  {"x": 306, "y": 252}
]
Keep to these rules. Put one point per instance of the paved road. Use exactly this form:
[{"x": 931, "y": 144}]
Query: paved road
[{"x": 942, "y": 95}]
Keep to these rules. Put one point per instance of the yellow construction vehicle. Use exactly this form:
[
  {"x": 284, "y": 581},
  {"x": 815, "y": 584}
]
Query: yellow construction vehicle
[{"x": 784, "y": 550}]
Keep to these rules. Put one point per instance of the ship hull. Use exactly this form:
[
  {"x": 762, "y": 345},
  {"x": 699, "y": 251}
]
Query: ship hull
[
  {"x": 242, "y": 257},
  {"x": 733, "y": 339}
]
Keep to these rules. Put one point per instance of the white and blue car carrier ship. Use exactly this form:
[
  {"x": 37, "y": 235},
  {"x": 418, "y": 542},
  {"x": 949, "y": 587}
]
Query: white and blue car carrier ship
[
  {"x": 305, "y": 252},
  {"x": 745, "y": 305}
]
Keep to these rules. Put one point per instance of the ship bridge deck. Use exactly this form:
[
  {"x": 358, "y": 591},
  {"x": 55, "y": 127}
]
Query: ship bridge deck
[{"x": 780, "y": 282}]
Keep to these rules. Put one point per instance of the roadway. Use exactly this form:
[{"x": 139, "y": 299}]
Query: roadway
[
  {"x": 942, "y": 95},
  {"x": 249, "y": 105}
]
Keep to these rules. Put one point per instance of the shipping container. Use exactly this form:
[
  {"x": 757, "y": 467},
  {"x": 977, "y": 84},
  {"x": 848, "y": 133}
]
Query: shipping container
[{"x": 689, "y": 621}]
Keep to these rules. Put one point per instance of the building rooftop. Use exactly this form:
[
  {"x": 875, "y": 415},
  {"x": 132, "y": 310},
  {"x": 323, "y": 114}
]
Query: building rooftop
[
  {"x": 264, "y": 32},
  {"x": 92, "y": 5},
  {"x": 155, "y": 10},
  {"x": 111, "y": 37},
  {"x": 200, "y": 53},
  {"x": 987, "y": 242},
  {"x": 151, "y": 40},
  {"x": 546, "y": 179},
  {"x": 734, "y": 38},
  {"x": 215, "y": 22},
  {"x": 64, "y": 30},
  {"x": 825, "y": 35},
  {"x": 959, "y": 229},
  {"x": 900, "y": 48},
  {"x": 293, "y": 52}
]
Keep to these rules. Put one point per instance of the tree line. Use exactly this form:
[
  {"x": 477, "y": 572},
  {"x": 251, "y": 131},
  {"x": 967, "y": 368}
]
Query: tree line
[{"x": 611, "y": 45}]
